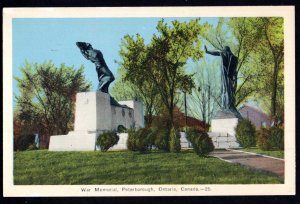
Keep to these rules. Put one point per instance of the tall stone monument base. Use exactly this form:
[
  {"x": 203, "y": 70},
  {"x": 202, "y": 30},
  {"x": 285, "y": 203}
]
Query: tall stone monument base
[
  {"x": 223, "y": 130},
  {"x": 94, "y": 114}
]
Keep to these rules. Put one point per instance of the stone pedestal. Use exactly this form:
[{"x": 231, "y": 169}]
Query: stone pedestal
[
  {"x": 223, "y": 130},
  {"x": 73, "y": 142},
  {"x": 92, "y": 112},
  {"x": 94, "y": 115}
]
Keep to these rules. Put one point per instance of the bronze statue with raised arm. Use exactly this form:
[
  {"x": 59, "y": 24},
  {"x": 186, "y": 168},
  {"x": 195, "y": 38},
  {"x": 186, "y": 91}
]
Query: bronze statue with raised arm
[
  {"x": 105, "y": 76},
  {"x": 228, "y": 79}
]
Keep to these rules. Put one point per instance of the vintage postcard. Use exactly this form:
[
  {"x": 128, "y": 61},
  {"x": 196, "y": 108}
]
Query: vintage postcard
[{"x": 149, "y": 101}]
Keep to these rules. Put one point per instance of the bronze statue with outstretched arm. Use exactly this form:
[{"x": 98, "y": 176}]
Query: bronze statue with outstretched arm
[{"x": 228, "y": 78}]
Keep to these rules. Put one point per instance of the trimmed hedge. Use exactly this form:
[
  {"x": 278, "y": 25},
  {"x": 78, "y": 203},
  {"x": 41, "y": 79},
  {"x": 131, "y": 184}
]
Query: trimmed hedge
[
  {"x": 263, "y": 139},
  {"x": 245, "y": 133},
  {"x": 268, "y": 139},
  {"x": 161, "y": 140},
  {"x": 107, "y": 140},
  {"x": 277, "y": 138},
  {"x": 139, "y": 140},
  {"x": 201, "y": 142},
  {"x": 174, "y": 141}
]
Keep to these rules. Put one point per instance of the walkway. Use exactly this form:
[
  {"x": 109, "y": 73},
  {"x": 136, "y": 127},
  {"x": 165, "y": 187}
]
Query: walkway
[{"x": 275, "y": 166}]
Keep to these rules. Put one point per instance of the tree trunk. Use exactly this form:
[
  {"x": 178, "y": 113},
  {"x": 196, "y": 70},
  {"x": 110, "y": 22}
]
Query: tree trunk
[{"x": 274, "y": 90}]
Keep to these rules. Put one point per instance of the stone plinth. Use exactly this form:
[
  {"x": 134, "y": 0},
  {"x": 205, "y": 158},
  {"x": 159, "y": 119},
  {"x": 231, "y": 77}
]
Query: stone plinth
[
  {"x": 223, "y": 130},
  {"x": 73, "y": 142},
  {"x": 94, "y": 115},
  {"x": 93, "y": 112},
  {"x": 223, "y": 140},
  {"x": 224, "y": 125}
]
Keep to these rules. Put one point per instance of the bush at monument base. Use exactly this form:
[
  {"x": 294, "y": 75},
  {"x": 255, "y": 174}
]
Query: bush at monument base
[
  {"x": 161, "y": 139},
  {"x": 174, "y": 141},
  {"x": 32, "y": 147},
  {"x": 25, "y": 141},
  {"x": 245, "y": 133},
  {"x": 107, "y": 140},
  {"x": 270, "y": 139},
  {"x": 277, "y": 138},
  {"x": 201, "y": 142},
  {"x": 138, "y": 140},
  {"x": 263, "y": 139}
]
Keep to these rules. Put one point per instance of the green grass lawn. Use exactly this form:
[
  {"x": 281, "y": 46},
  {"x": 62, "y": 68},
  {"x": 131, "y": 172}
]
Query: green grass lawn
[
  {"x": 273, "y": 153},
  {"x": 124, "y": 167}
]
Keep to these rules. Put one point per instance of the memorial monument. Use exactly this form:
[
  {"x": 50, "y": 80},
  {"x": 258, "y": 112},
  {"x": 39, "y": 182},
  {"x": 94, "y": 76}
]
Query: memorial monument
[
  {"x": 226, "y": 119},
  {"x": 98, "y": 112}
]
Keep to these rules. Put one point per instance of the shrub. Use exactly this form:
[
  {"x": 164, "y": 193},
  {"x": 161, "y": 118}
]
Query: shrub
[
  {"x": 277, "y": 138},
  {"x": 138, "y": 140},
  {"x": 142, "y": 139},
  {"x": 32, "y": 147},
  {"x": 131, "y": 140},
  {"x": 263, "y": 139},
  {"x": 25, "y": 141},
  {"x": 174, "y": 141},
  {"x": 121, "y": 129},
  {"x": 151, "y": 137},
  {"x": 201, "y": 142},
  {"x": 161, "y": 140},
  {"x": 245, "y": 133},
  {"x": 107, "y": 140}
]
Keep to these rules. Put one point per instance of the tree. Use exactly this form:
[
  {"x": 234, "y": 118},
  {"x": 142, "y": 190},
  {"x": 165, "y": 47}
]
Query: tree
[
  {"x": 273, "y": 39},
  {"x": 126, "y": 90},
  {"x": 161, "y": 63},
  {"x": 47, "y": 97},
  {"x": 267, "y": 61},
  {"x": 205, "y": 98}
]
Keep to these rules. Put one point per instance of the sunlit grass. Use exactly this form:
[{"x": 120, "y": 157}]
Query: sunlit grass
[
  {"x": 124, "y": 167},
  {"x": 273, "y": 153}
]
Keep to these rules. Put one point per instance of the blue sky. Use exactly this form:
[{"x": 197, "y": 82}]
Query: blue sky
[{"x": 38, "y": 40}]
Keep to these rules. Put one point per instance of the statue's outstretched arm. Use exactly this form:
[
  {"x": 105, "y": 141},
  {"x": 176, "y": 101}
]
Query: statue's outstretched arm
[{"x": 215, "y": 53}]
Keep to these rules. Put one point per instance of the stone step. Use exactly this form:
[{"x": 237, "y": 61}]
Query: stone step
[
  {"x": 223, "y": 140},
  {"x": 217, "y": 134}
]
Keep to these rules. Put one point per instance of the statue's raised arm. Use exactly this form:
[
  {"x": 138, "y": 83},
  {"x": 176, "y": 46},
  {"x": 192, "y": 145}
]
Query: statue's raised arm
[{"x": 215, "y": 53}]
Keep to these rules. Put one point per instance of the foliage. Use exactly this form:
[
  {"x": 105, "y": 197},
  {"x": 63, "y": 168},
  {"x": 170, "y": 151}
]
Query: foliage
[
  {"x": 201, "y": 142},
  {"x": 32, "y": 147},
  {"x": 138, "y": 140},
  {"x": 47, "y": 97},
  {"x": 160, "y": 64},
  {"x": 125, "y": 167},
  {"x": 161, "y": 140},
  {"x": 205, "y": 98},
  {"x": 264, "y": 139},
  {"x": 121, "y": 129},
  {"x": 271, "y": 59},
  {"x": 245, "y": 133},
  {"x": 277, "y": 138},
  {"x": 107, "y": 140},
  {"x": 24, "y": 141},
  {"x": 131, "y": 140},
  {"x": 174, "y": 141}
]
